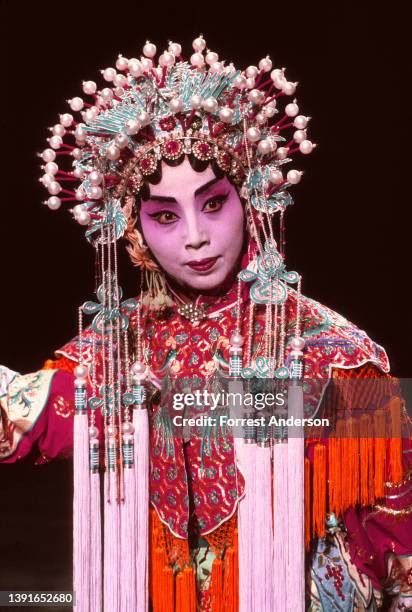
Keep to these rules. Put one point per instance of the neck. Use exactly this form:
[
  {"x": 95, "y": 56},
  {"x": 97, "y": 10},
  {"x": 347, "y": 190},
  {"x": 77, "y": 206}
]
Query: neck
[{"x": 188, "y": 294}]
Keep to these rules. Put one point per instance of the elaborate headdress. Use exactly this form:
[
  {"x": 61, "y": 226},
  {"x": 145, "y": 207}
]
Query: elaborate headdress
[{"x": 152, "y": 110}]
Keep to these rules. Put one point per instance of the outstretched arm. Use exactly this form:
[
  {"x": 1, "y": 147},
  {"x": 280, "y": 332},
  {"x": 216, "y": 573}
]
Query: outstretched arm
[{"x": 36, "y": 413}]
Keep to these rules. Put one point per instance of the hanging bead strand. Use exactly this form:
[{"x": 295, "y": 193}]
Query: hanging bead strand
[
  {"x": 104, "y": 363},
  {"x": 80, "y": 373},
  {"x": 236, "y": 339},
  {"x": 298, "y": 343},
  {"x": 93, "y": 431},
  {"x": 250, "y": 329},
  {"x": 118, "y": 383}
]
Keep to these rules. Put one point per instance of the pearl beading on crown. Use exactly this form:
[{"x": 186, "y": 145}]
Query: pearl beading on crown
[{"x": 167, "y": 108}]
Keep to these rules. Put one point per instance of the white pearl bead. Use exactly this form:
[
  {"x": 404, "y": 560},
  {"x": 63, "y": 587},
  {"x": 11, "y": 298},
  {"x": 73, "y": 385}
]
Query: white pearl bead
[
  {"x": 199, "y": 43},
  {"x": 176, "y": 105},
  {"x": 119, "y": 80},
  {"x": 83, "y": 218},
  {"x": 146, "y": 64},
  {"x": 48, "y": 155},
  {"x": 265, "y": 147},
  {"x": 269, "y": 110},
  {"x": 217, "y": 68},
  {"x": 250, "y": 83},
  {"x": 297, "y": 343},
  {"x": 282, "y": 153},
  {"x": 79, "y": 133},
  {"x": 197, "y": 59},
  {"x": 51, "y": 168},
  {"x": 88, "y": 116},
  {"x": 253, "y": 134},
  {"x": 211, "y": 57},
  {"x": 76, "y": 104},
  {"x": 55, "y": 142},
  {"x": 137, "y": 367},
  {"x": 46, "y": 179},
  {"x": 255, "y": 96},
  {"x": 66, "y": 120},
  {"x": 275, "y": 176},
  {"x": 89, "y": 87},
  {"x": 294, "y": 176},
  {"x": 236, "y": 339},
  {"x": 107, "y": 95},
  {"x": 196, "y": 101},
  {"x": 79, "y": 173},
  {"x": 261, "y": 118},
  {"x": 240, "y": 82},
  {"x": 93, "y": 432},
  {"x": 95, "y": 177},
  {"x": 252, "y": 72},
  {"x": 54, "y": 188},
  {"x": 79, "y": 383},
  {"x": 306, "y": 147},
  {"x": 139, "y": 372},
  {"x": 135, "y": 68},
  {"x": 79, "y": 208},
  {"x": 132, "y": 126},
  {"x": 144, "y": 118},
  {"x": 149, "y": 50},
  {"x": 80, "y": 371},
  {"x": 80, "y": 193},
  {"x": 122, "y": 63},
  {"x": 76, "y": 153},
  {"x": 176, "y": 49},
  {"x": 167, "y": 59},
  {"x": 112, "y": 152},
  {"x": 226, "y": 114},
  {"x": 289, "y": 88},
  {"x": 121, "y": 140},
  {"x": 300, "y": 122},
  {"x": 58, "y": 130},
  {"x": 210, "y": 105},
  {"x": 109, "y": 74},
  {"x": 54, "y": 203},
  {"x": 127, "y": 428},
  {"x": 292, "y": 109},
  {"x": 299, "y": 136},
  {"x": 265, "y": 64},
  {"x": 96, "y": 192},
  {"x": 277, "y": 73},
  {"x": 278, "y": 83}
]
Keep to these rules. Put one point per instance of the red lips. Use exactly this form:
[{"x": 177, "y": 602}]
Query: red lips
[{"x": 202, "y": 265}]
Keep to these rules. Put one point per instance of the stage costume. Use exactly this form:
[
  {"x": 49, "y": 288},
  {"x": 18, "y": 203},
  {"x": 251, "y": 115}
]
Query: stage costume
[{"x": 262, "y": 520}]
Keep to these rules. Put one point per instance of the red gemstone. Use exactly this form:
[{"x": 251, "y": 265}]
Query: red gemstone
[
  {"x": 167, "y": 123},
  {"x": 173, "y": 147}
]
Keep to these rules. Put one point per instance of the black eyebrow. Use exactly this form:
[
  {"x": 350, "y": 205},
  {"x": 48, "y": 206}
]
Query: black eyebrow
[
  {"x": 170, "y": 199},
  {"x": 160, "y": 198},
  {"x": 206, "y": 186}
]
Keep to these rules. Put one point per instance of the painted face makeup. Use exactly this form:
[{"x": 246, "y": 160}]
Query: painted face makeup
[{"x": 193, "y": 224}]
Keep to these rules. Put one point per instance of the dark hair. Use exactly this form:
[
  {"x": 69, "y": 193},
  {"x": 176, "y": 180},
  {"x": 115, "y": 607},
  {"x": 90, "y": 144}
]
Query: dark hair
[{"x": 197, "y": 165}]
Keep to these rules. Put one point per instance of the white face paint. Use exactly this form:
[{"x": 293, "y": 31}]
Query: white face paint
[{"x": 193, "y": 224}]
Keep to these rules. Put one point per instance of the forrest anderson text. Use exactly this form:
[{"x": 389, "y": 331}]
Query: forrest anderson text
[{"x": 261, "y": 421}]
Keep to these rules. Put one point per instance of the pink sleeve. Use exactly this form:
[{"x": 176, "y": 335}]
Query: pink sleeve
[{"x": 37, "y": 417}]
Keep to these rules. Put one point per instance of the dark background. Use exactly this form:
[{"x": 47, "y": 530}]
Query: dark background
[{"x": 348, "y": 233}]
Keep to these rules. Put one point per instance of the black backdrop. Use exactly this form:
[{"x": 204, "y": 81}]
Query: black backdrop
[{"x": 348, "y": 233}]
